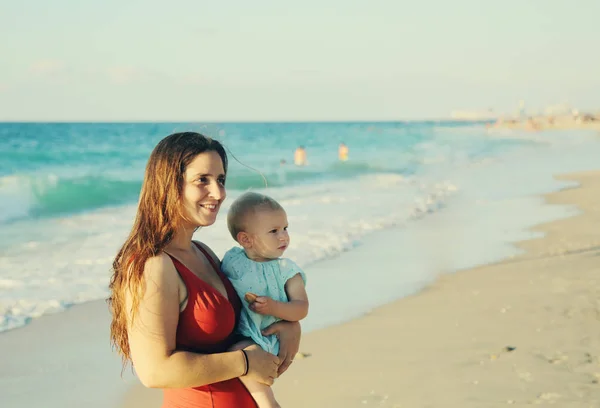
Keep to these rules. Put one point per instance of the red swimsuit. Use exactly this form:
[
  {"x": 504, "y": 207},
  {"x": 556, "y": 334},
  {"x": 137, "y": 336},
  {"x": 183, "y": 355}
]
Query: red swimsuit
[{"x": 206, "y": 325}]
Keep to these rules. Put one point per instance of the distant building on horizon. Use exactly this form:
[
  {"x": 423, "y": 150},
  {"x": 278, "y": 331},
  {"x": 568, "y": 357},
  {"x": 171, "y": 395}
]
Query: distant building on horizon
[{"x": 474, "y": 115}]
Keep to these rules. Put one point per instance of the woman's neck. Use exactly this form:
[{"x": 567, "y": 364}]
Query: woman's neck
[{"x": 182, "y": 239}]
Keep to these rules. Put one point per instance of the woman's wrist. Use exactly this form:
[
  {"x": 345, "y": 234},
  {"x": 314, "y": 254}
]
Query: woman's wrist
[{"x": 245, "y": 363}]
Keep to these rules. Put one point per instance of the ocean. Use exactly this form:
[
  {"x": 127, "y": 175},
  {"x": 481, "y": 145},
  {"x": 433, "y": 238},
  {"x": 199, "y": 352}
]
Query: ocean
[{"x": 68, "y": 194}]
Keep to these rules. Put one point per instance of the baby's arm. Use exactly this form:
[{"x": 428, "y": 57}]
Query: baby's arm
[{"x": 294, "y": 310}]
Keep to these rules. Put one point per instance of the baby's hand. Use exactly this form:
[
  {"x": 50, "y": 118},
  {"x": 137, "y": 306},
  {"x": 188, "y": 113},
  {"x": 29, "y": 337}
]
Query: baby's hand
[
  {"x": 263, "y": 305},
  {"x": 250, "y": 297}
]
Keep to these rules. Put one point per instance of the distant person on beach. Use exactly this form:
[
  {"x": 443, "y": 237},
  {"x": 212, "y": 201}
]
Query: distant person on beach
[
  {"x": 174, "y": 312},
  {"x": 300, "y": 156},
  {"x": 343, "y": 152},
  {"x": 531, "y": 125},
  {"x": 272, "y": 288}
]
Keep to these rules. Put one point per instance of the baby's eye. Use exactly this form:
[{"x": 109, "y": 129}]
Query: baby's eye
[
  {"x": 273, "y": 231},
  {"x": 285, "y": 228}
]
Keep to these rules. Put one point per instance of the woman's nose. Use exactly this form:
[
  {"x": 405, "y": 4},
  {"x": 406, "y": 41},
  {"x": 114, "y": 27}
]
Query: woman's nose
[{"x": 217, "y": 191}]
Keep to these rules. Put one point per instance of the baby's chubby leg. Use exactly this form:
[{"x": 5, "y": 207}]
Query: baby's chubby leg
[{"x": 261, "y": 393}]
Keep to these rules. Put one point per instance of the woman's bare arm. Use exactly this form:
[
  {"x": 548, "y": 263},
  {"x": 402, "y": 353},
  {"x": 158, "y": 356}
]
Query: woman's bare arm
[{"x": 152, "y": 337}]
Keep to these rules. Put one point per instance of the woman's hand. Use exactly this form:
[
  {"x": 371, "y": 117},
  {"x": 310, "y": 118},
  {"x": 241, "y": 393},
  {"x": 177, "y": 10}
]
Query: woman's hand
[
  {"x": 289, "y": 341},
  {"x": 262, "y": 366}
]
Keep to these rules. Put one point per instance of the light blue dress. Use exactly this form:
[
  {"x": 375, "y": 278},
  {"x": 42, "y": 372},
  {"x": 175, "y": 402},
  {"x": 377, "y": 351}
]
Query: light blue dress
[{"x": 262, "y": 279}]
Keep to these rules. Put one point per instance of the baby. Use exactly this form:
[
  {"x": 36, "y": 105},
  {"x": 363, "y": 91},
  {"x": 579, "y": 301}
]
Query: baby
[{"x": 272, "y": 288}]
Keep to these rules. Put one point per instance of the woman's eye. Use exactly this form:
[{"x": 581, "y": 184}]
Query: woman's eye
[
  {"x": 203, "y": 179},
  {"x": 221, "y": 180}
]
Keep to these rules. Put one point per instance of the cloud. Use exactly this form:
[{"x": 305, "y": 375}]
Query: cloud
[
  {"x": 192, "y": 79},
  {"x": 47, "y": 67},
  {"x": 123, "y": 74}
]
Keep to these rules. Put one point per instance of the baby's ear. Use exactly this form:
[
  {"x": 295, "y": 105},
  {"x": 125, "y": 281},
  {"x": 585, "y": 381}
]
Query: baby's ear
[{"x": 244, "y": 239}]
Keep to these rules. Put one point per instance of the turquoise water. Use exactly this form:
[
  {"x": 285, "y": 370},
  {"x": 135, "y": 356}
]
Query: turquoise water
[
  {"x": 58, "y": 169},
  {"x": 68, "y": 192}
]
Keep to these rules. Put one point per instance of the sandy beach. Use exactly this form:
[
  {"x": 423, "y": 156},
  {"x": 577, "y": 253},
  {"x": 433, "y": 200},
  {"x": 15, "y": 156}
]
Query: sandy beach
[{"x": 519, "y": 332}]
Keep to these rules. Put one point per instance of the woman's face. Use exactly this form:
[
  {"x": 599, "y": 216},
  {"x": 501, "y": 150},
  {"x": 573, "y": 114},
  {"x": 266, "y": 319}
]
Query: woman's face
[{"x": 203, "y": 189}]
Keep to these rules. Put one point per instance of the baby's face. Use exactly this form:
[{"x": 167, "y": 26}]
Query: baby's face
[{"x": 268, "y": 232}]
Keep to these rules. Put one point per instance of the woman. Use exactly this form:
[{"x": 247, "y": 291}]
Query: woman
[{"x": 174, "y": 312}]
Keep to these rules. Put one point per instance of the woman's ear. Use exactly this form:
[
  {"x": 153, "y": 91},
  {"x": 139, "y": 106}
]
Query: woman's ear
[{"x": 244, "y": 239}]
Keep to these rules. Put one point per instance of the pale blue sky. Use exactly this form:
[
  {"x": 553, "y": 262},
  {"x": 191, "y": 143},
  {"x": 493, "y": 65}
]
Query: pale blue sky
[{"x": 274, "y": 60}]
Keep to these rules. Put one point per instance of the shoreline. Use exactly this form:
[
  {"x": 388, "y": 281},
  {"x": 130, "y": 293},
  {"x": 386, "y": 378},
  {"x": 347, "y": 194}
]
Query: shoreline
[{"x": 466, "y": 310}]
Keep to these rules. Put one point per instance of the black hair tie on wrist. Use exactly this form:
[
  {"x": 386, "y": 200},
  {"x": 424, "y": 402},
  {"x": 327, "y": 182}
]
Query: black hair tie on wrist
[{"x": 246, "y": 362}]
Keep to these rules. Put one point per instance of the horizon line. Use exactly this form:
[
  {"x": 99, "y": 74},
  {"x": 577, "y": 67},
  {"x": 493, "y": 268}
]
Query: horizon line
[{"x": 133, "y": 121}]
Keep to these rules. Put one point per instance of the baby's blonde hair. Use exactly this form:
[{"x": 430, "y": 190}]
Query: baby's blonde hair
[{"x": 245, "y": 206}]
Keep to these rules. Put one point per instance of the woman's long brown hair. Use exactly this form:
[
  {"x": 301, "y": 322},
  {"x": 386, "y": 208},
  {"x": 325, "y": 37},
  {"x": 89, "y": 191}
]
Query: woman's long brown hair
[{"x": 157, "y": 218}]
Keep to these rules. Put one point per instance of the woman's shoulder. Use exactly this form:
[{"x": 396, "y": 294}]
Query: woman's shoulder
[
  {"x": 160, "y": 278},
  {"x": 159, "y": 267}
]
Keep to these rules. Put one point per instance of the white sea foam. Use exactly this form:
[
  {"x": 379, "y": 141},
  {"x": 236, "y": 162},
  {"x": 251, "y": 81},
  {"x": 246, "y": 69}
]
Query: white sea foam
[
  {"x": 69, "y": 260},
  {"x": 477, "y": 208}
]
